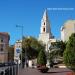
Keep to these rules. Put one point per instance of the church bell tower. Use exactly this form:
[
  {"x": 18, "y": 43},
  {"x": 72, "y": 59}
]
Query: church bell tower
[{"x": 45, "y": 29}]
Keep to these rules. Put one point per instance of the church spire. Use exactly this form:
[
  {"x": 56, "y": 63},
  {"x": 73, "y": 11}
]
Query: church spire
[
  {"x": 45, "y": 24},
  {"x": 45, "y": 15},
  {"x": 45, "y": 31}
]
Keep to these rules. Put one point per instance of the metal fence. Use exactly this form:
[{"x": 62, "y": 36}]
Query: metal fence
[{"x": 8, "y": 69}]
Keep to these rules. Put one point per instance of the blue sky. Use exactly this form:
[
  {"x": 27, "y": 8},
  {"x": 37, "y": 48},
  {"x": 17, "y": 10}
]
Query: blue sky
[{"x": 29, "y": 13}]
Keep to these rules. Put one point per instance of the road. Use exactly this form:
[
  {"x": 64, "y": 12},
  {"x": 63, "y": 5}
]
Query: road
[{"x": 53, "y": 71}]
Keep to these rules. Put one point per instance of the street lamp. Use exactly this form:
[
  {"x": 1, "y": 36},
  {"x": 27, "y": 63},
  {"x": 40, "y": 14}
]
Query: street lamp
[{"x": 21, "y": 26}]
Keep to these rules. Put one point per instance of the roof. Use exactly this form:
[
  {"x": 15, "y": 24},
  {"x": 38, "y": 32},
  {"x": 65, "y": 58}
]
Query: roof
[{"x": 5, "y": 34}]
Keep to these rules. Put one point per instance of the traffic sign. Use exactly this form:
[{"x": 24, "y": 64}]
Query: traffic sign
[{"x": 18, "y": 50}]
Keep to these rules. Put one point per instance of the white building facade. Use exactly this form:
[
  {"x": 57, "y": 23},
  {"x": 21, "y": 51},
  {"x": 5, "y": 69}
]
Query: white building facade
[{"x": 17, "y": 51}]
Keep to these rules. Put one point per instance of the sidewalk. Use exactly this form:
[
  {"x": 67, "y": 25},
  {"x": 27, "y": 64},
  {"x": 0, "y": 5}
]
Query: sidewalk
[{"x": 53, "y": 71}]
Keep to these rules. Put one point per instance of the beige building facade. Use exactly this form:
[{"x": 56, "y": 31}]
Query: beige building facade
[
  {"x": 4, "y": 42},
  {"x": 67, "y": 29}
]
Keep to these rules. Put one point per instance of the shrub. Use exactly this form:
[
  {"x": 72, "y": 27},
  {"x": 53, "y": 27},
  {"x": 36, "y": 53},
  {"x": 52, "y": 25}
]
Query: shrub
[{"x": 41, "y": 60}]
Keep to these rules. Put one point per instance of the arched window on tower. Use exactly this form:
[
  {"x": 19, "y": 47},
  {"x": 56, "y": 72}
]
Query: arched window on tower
[
  {"x": 43, "y": 29},
  {"x": 44, "y": 23}
]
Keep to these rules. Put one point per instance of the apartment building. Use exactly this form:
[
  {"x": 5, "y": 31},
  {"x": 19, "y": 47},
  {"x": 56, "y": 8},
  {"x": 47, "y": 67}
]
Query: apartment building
[
  {"x": 4, "y": 42},
  {"x": 67, "y": 29}
]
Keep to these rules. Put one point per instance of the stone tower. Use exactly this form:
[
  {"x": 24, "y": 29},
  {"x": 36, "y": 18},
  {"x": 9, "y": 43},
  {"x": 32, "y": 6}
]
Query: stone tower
[{"x": 45, "y": 30}]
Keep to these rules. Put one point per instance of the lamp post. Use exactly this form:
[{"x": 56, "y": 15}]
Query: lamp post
[{"x": 21, "y": 26}]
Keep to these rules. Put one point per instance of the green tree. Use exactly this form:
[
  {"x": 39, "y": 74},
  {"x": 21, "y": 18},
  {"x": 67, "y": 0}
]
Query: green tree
[
  {"x": 31, "y": 47},
  {"x": 59, "y": 46},
  {"x": 41, "y": 59},
  {"x": 56, "y": 51},
  {"x": 69, "y": 53},
  {"x": 53, "y": 55}
]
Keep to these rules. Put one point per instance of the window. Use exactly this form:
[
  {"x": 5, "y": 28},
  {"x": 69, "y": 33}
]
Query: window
[
  {"x": 19, "y": 46},
  {"x": 1, "y": 49},
  {"x": 43, "y": 29},
  {"x": 1, "y": 39}
]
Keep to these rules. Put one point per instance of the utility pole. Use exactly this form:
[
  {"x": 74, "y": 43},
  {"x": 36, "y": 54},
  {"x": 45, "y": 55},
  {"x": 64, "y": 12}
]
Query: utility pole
[{"x": 21, "y": 27}]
